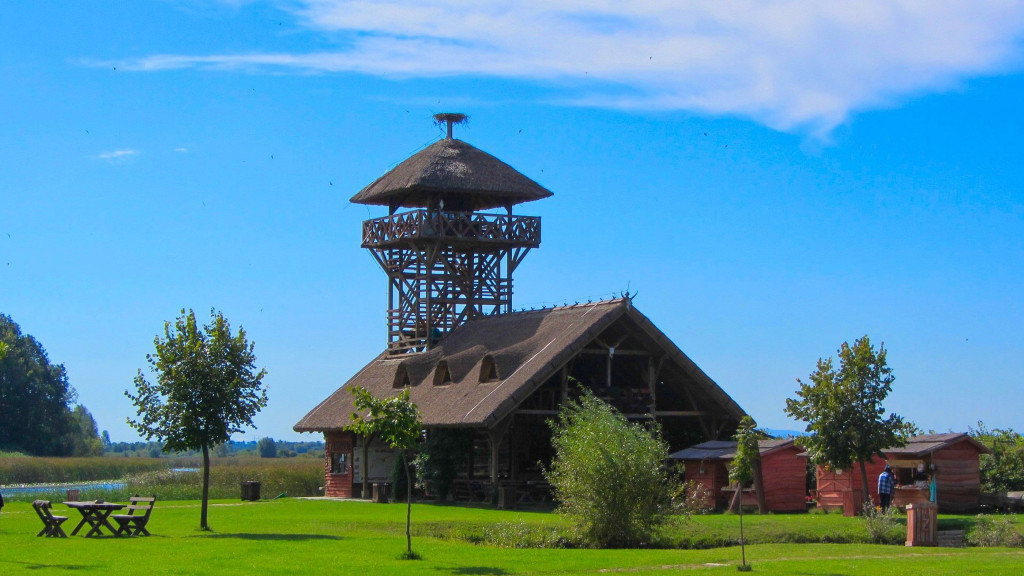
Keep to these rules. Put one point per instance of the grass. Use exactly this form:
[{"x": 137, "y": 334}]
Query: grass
[{"x": 290, "y": 536}]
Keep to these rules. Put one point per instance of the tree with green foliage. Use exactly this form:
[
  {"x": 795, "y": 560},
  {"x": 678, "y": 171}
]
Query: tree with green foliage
[
  {"x": 84, "y": 438},
  {"x": 395, "y": 421},
  {"x": 36, "y": 400},
  {"x": 608, "y": 474},
  {"x": 3, "y": 350},
  {"x": 207, "y": 388},
  {"x": 844, "y": 410},
  {"x": 266, "y": 447},
  {"x": 1003, "y": 469},
  {"x": 742, "y": 469}
]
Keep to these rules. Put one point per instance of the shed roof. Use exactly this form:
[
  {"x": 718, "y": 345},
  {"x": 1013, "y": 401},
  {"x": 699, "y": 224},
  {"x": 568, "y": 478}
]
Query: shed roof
[
  {"x": 925, "y": 444},
  {"x": 464, "y": 176},
  {"x": 726, "y": 449},
  {"x": 527, "y": 348}
]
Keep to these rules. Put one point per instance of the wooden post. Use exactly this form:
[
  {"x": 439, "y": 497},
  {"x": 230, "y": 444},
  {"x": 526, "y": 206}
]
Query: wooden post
[
  {"x": 762, "y": 504},
  {"x": 366, "y": 466},
  {"x": 565, "y": 383},
  {"x": 494, "y": 437}
]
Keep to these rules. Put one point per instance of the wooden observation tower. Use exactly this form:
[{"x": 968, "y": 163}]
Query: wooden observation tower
[{"x": 447, "y": 255}]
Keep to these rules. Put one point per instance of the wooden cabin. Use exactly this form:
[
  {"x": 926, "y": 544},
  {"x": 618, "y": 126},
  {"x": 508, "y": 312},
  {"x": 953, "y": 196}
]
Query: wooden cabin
[
  {"x": 500, "y": 378},
  {"x": 449, "y": 245},
  {"x": 952, "y": 459},
  {"x": 784, "y": 473}
]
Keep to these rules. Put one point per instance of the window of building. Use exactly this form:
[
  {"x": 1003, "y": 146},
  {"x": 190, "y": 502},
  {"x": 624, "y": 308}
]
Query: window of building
[
  {"x": 401, "y": 378},
  {"x": 442, "y": 376},
  {"x": 339, "y": 463},
  {"x": 488, "y": 370}
]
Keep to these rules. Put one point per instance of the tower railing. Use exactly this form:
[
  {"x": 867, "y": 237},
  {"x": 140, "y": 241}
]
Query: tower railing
[{"x": 470, "y": 227}]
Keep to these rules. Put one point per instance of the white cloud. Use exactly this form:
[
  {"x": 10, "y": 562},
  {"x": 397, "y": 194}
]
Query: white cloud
[
  {"x": 117, "y": 155},
  {"x": 790, "y": 64},
  {"x": 181, "y": 149}
]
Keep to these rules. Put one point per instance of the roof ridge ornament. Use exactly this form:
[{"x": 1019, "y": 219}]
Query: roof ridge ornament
[{"x": 450, "y": 118}]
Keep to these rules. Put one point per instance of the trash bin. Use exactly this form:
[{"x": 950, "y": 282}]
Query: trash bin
[
  {"x": 922, "y": 524},
  {"x": 506, "y": 497},
  {"x": 852, "y": 504},
  {"x": 381, "y": 492},
  {"x": 74, "y": 494},
  {"x": 251, "y": 491}
]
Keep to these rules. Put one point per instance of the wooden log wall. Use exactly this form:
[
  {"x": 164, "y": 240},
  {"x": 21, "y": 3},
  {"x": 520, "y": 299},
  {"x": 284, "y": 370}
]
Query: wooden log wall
[
  {"x": 785, "y": 480},
  {"x": 957, "y": 478}
]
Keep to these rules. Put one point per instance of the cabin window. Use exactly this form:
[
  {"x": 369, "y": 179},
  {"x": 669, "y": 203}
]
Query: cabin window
[
  {"x": 442, "y": 376},
  {"x": 339, "y": 463},
  {"x": 488, "y": 370},
  {"x": 401, "y": 378}
]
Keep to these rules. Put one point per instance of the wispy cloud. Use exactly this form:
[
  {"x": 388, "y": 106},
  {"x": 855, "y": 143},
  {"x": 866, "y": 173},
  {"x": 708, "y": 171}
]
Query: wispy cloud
[
  {"x": 790, "y": 64},
  {"x": 113, "y": 156},
  {"x": 181, "y": 149}
]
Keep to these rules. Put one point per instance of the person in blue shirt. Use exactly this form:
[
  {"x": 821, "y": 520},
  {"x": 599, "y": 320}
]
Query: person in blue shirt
[{"x": 885, "y": 486}]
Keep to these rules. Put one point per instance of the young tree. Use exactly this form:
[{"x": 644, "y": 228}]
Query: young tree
[
  {"x": 207, "y": 387},
  {"x": 395, "y": 421},
  {"x": 743, "y": 468},
  {"x": 846, "y": 421},
  {"x": 608, "y": 475}
]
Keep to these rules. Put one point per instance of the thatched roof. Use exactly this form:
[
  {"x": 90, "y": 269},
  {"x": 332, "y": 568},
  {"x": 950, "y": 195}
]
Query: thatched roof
[
  {"x": 726, "y": 449},
  {"x": 465, "y": 177},
  {"x": 527, "y": 348},
  {"x": 927, "y": 443}
]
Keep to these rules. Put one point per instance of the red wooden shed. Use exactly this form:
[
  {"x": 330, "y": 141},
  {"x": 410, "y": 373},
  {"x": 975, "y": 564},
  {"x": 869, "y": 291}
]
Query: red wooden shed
[
  {"x": 951, "y": 459},
  {"x": 783, "y": 471}
]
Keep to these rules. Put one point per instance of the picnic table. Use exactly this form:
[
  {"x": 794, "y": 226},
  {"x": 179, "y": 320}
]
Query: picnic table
[{"x": 95, "y": 514}]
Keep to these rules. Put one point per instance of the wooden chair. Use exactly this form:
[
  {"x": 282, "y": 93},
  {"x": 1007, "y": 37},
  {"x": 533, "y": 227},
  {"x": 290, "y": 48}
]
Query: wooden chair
[
  {"x": 134, "y": 522},
  {"x": 51, "y": 523}
]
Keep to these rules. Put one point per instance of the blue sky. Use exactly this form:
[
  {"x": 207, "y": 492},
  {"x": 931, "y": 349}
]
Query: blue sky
[{"x": 771, "y": 178}]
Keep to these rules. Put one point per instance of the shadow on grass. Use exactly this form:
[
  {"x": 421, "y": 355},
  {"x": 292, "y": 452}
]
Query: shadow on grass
[
  {"x": 481, "y": 570},
  {"x": 37, "y": 566},
  {"x": 273, "y": 537}
]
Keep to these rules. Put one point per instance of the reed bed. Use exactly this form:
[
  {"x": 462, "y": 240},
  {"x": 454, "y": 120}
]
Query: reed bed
[
  {"x": 164, "y": 477},
  {"x": 39, "y": 470}
]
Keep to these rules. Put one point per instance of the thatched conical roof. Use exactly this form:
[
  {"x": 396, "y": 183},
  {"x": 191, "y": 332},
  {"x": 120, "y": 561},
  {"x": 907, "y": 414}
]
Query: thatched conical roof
[{"x": 463, "y": 176}]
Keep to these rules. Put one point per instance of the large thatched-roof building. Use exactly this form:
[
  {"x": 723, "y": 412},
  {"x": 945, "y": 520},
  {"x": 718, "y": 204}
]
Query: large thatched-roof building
[{"x": 469, "y": 361}]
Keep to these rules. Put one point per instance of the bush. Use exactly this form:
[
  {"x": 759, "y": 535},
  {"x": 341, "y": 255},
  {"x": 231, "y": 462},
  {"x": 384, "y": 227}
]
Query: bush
[
  {"x": 693, "y": 498},
  {"x": 607, "y": 474},
  {"x": 995, "y": 531},
  {"x": 519, "y": 534},
  {"x": 883, "y": 528}
]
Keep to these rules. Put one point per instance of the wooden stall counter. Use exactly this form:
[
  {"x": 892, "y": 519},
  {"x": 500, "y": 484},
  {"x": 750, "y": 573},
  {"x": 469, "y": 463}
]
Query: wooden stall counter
[{"x": 910, "y": 494}]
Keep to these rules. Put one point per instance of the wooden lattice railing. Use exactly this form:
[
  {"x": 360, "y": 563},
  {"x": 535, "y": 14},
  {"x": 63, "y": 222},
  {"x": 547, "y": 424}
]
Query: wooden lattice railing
[{"x": 452, "y": 226}]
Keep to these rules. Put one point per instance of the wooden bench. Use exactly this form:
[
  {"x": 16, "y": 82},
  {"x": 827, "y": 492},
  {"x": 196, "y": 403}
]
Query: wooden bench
[
  {"x": 134, "y": 522},
  {"x": 51, "y": 523}
]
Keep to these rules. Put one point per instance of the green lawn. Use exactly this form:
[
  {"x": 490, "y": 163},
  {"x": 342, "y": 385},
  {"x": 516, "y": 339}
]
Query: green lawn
[{"x": 291, "y": 536}]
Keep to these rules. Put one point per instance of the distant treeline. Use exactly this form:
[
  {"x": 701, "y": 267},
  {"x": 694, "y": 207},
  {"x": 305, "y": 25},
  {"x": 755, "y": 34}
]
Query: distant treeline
[{"x": 265, "y": 447}]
